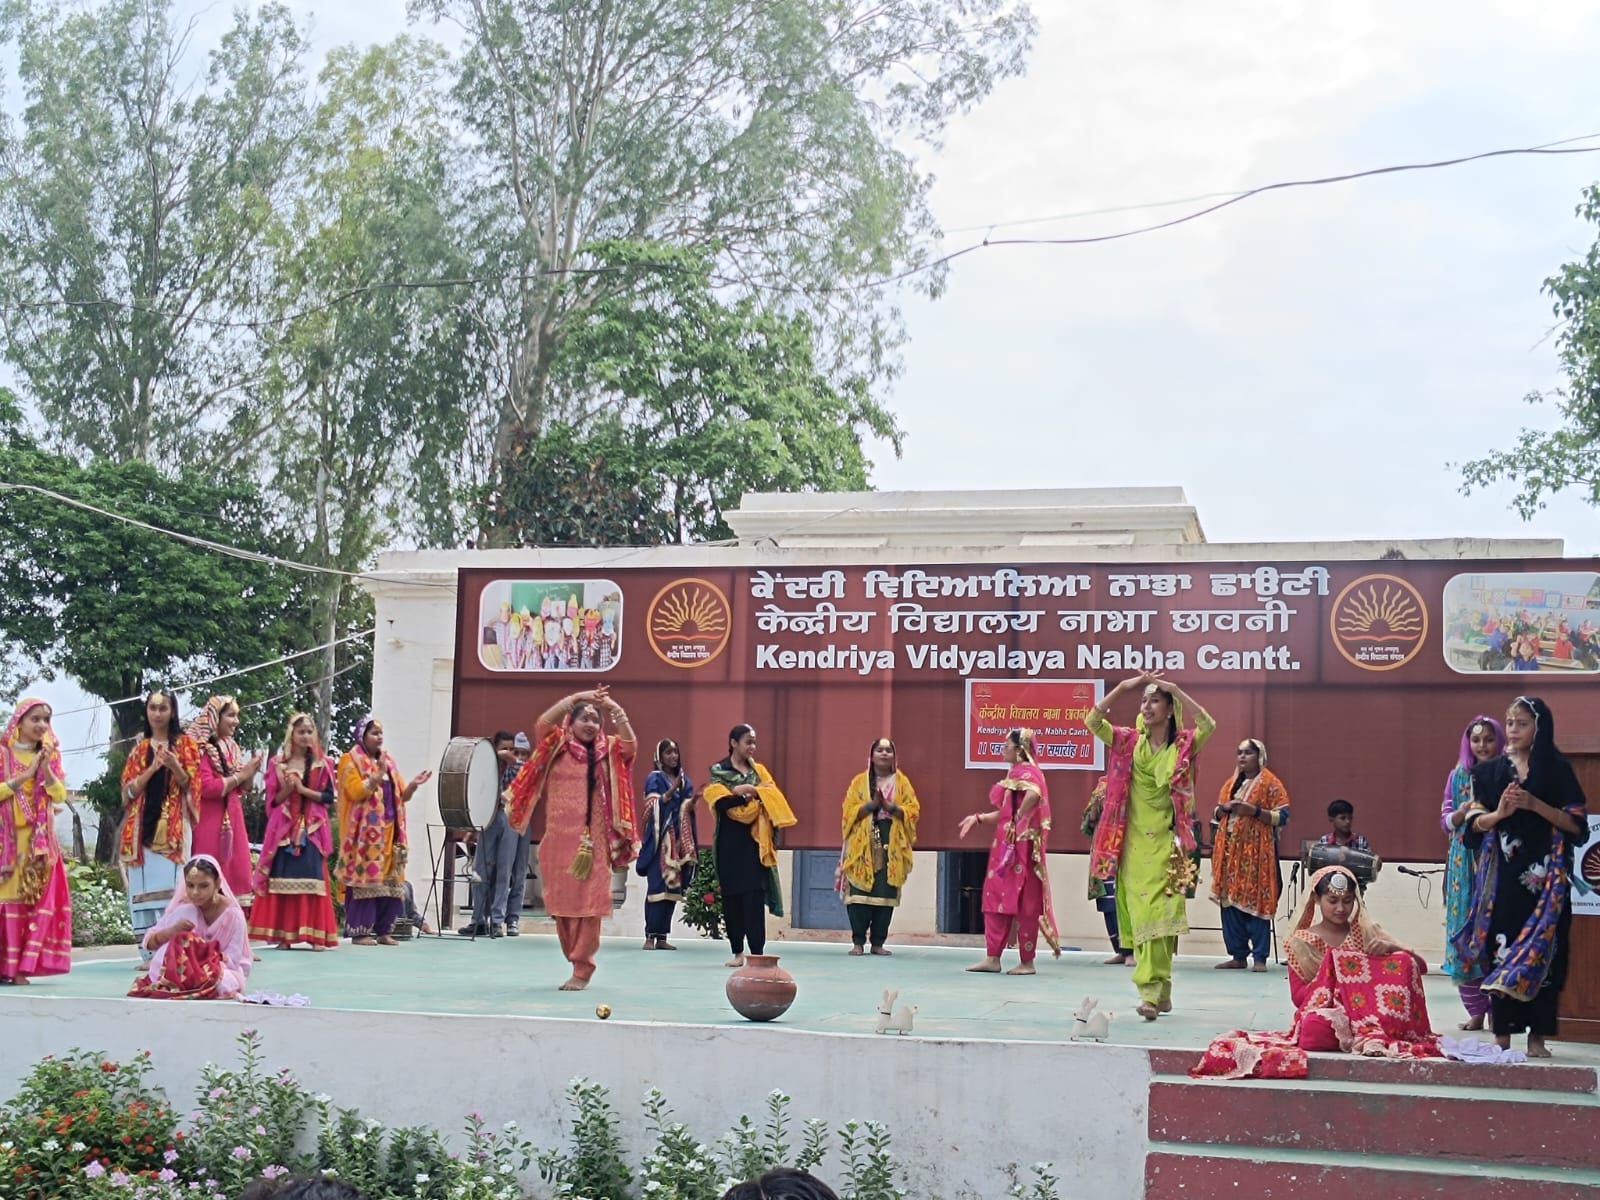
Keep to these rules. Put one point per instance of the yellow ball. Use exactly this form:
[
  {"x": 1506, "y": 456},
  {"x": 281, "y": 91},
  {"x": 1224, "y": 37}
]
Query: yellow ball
[{"x": 602, "y": 1011}]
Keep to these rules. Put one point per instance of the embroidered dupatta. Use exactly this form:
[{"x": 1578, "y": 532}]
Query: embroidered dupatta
[
  {"x": 860, "y": 831},
  {"x": 168, "y": 839},
  {"x": 368, "y": 854},
  {"x": 292, "y": 820},
  {"x": 613, "y": 788},
  {"x": 1244, "y": 857},
  {"x": 665, "y": 834},
  {"x": 34, "y": 803},
  {"x": 1112, "y": 830}
]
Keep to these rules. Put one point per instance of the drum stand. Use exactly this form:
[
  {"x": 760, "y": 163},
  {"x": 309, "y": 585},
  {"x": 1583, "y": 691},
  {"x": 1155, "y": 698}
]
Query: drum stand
[{"x": 442, "y": 885}]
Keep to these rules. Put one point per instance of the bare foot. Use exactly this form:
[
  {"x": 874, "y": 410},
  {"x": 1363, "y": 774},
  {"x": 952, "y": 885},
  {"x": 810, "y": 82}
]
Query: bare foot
[
  {"x": 1146, "y": 1010},
  {"x": 856, "y": 951},
  {"x": 1165, "y": 1006},
  {"x": 989, "y": 966},
  {"x": 1116, "y": 960},
  {"x": 649, "y": 944},
  {"x": 319, "y": 949},
  {"x": 283, "y": 946},
  {"x": 1231, "y": 964},
  {"x": 1022, "y": 969},
  {"x": 1536, "y": 1046},
  {"x": 736, "y": 961},
  {"x": 364, "y": 941},
  {"x": 386, "y": 940},
  {"x": 1503, "y": 1040},
  {"x": 574, "y": 985},
  {"x": 881, "y": 951},
  {"x": 663, "y": 944},
  {"x": 1258, "y": 967},
  {"x": 1472, "y": 1022}
]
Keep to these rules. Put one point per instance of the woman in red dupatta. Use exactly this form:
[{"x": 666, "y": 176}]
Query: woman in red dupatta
[
  {"x": 1016, "y": 887},
  {"x": 35, "y": 905},
  {"x": 589, "y": 830},
  {"x": 294, "y": 897},
  {"x": 161, "y": 787},
  {"x": 1355, "y": 989},
  {"x": 199, "y": 950},
  {"x": 225, "y": 777}
]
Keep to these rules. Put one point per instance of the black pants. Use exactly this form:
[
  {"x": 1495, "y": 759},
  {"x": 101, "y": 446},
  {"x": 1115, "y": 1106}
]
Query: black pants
[
  {"x": 746, "y": 916},
  {"x": 658, "y": 918},
  {"x": 1536, "y": 1016},
  {"x": 869, "y": 917},
  {"x": 1110, "y": 915}
]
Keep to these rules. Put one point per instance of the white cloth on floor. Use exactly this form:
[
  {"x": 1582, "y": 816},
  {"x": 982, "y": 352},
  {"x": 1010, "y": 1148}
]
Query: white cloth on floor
[{"x": 1469, "y": 1050}]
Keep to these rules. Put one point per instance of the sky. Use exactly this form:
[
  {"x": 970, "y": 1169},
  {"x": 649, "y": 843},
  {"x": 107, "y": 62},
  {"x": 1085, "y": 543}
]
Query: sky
[{"x": 1304, "y": 364}]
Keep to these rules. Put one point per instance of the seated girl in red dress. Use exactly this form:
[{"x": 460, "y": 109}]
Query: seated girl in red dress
[
  {"x": 200, "y": 949},
  {"x": 1355, "y": 989}
]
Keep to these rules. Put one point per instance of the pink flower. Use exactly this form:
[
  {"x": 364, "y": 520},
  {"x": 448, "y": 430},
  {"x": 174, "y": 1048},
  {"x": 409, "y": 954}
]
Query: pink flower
[
  {"x": 171, "y": 1156},
  {"x": 273, "y": 1171},
  {"x": 94, "y": 1170},
  {"x": 166, "y": 1174},
  {"x": 240, "y": 1152}
]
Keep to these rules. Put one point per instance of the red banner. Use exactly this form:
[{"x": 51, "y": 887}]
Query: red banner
[{"x": 1053, "y": 709}]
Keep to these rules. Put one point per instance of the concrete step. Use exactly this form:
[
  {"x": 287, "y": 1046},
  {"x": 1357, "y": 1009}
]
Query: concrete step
[
  {"x": 1232, "y": 1173},
  {"x": 1453, "y": 1123},
  {"x": 1532, "y": 1076}
]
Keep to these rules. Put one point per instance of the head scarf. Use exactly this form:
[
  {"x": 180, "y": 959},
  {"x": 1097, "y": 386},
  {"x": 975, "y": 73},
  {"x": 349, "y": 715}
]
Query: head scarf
[
  {"x": 36, "y": 807},
  {"x": 1466, "y": 758},
  {"x": 1306, "y": 959},
  {"x": 661, "y": 748},
  {"x": 1261, "y": 748},
  {"x": 358, "y": 745},
  {"x": 179, "y": 895},
  {"x": 204, "y": 729}
]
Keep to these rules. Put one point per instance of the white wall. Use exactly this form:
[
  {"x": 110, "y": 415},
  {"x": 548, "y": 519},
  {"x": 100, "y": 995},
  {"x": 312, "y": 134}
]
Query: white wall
[{"x": 958, "y": 1111}]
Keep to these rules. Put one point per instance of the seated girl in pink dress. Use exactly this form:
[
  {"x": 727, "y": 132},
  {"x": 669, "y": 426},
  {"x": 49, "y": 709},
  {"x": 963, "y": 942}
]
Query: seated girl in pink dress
[
  {"x": 200, "y": 949},
  {"x": 1355, "y": 989}
]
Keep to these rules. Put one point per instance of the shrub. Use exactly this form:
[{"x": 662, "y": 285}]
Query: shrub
[{"x": 99, "y": 908}]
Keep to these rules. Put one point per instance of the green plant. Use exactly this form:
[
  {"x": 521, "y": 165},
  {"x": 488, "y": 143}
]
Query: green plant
[
  {"x": 679, "y": 1167},
  {"x": 1043, "y": 1186},
  {"x": 870, "y": 1172},
  {"x": 748, "y": 1151},
  {"x": 702, "y": 904},
  {"x": 79, "y": 1110},
  {"x": 247, "y": 1121},
  {"x": 593, "y": 1168},
  {"x": 99, "y": 909},
  {"x": 493, "y": 1160}
]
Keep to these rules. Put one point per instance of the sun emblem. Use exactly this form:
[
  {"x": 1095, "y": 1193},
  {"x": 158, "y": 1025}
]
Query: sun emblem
[
  {"x": 1379, "y": 622},
  {"x": 688, "y": 623}
]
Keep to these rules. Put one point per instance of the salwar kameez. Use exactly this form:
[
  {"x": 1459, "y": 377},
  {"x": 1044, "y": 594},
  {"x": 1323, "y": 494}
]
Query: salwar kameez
[
  {"x": 372, "y": 842},
  {"x": 1146, "y": 827},
  {"x": 157, "y": 831},
  {"x": 877, "y": 853},
  {"x": 667, "y": 849},
  {"x": 35, "y": 904},
  {"x": 209, "y": 961},
  {"x": 1016, "y": 885},
  {"x": 294, "y": 896}
]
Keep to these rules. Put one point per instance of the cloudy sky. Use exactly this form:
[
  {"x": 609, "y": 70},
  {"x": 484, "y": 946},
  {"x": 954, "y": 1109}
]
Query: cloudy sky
[{"x": 1304, "y": 364}]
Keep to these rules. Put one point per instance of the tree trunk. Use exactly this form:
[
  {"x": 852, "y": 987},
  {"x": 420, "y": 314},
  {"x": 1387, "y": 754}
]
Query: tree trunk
[
  {"x": 128, "y": 724},
  {"x": 332, "y": 594}
]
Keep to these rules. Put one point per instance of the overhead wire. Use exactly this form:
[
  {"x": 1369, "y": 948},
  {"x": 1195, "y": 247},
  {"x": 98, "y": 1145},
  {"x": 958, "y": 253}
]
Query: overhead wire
[{"x": 1561, "y": 146}]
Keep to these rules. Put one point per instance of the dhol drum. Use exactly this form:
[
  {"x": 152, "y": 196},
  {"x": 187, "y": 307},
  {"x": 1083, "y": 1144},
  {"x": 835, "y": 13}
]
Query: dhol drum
[
  {"x": 469, "y": 783},
  {"x": 1363, "y": 865}
]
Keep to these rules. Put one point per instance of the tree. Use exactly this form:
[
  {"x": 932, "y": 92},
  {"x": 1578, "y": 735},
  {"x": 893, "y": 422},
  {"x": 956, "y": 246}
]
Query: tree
[
  {"x": 767, "y": 135},
  {"x": 1543, "y": 463},
  {"x": 689, "y": 402},
  {"x": 368, "y": 377},
  {"x": 133, "y": 208},
  {"x": 118, "y": 607}
]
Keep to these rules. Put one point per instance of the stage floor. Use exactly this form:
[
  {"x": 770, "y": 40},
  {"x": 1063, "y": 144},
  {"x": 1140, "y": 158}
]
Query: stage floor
[{"x": 837, "y": 993}]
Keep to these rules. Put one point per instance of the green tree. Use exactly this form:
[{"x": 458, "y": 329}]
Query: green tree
[
  {"x": 367, "y": 373},
  {"x": 688, "y": 402},
  {"x": 1542, "y": 463},
  {"x": 120, "y": 608},
  {"x": 134, "y": 203},
  {"x": 768, "y": 135}
]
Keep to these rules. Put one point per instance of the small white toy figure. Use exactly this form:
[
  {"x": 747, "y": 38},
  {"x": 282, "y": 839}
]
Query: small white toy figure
[
  {"x": 899, "y": 1020},
  {"x": 1090, "y": 1025}
]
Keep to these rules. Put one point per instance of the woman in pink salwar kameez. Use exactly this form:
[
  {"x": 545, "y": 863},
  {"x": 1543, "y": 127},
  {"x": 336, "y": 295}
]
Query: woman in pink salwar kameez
[
  {"x": 199, "y": 949},
  {"x": 582, "y": 776},
  {"x": 35, "y": 906},
  {"x": 1016, "y": 887},
  {"x": 226, "y": 776}
]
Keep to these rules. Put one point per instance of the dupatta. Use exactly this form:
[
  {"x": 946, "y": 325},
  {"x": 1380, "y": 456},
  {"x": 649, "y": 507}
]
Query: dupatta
[
  {"x": 613, "y": 787},
  {"x": 33, "y": 801},
  {"x": 1112, "y": 830},
  {"x": 168, "y": 839},
  {"x": 192, "y": 965},
  {"x": 365, "y": 854},
  {"x": 856, "y": 860}
]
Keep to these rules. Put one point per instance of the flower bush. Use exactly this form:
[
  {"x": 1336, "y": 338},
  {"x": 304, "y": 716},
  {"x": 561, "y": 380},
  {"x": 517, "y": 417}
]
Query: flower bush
[
  {"x": 702, "y": 904},
  {"x": 99, "y": 907},
  {"x": 81, "y": 1113},
  {"x": 84, "y": 1127}
]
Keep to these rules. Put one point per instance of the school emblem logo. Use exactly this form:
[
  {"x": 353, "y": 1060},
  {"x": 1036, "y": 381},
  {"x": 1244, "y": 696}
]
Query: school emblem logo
[
  {"x": 688, "y": 623},
  {"x": 1379, "y": 622}
]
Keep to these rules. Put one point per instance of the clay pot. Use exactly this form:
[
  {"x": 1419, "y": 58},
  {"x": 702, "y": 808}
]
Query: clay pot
[{"x": 761, "y": 990}]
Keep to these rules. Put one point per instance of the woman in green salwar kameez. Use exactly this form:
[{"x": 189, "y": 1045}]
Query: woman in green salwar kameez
[{"x": 1146, "y": 832}]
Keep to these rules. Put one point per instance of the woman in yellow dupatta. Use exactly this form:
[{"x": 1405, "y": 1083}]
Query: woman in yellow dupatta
[
  {"x": 880, "y": 828},
  {"x": 372, "y": 836},
  {"x": 750, "y": 808}
]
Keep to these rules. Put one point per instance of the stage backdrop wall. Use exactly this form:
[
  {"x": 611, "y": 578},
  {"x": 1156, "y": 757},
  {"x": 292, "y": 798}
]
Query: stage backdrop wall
[{"x": 1358, "y": 676}]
